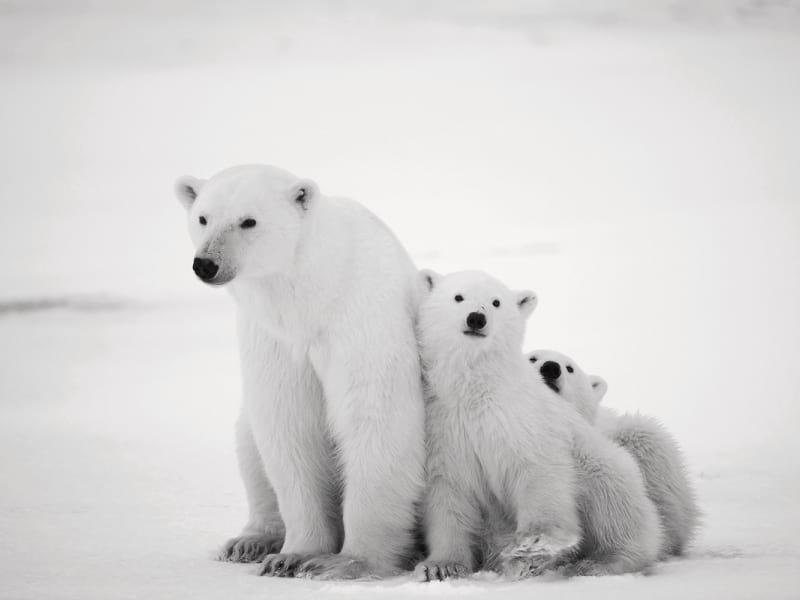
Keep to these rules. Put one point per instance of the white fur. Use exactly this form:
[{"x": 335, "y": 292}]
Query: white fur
[
  {"x": 512, "y": 469},
  {"x": 657, "y": 453},
  {"x": 664, "y": 470},
  {"x": 494, "y": 446},
  {"x": 330, "y": 439},
  {"x": 622, "y": 533}
]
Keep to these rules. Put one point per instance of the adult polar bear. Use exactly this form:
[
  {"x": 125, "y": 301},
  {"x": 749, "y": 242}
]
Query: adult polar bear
[{"x": 331, "y": 435}]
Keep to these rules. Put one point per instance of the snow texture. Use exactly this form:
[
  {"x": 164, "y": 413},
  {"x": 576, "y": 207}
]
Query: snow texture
[{"x": 633, "y": 163}]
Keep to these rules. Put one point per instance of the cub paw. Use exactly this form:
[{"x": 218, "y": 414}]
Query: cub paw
[
  {"x": 584, "y": 568},
  {"x": 531, "y": 555},
  {"x": 282, "y": 565},
  {"x": 335, "y": 566},
  {"x": 249, "y": 548},
  {"x": 439, "y": 571},
  {"x": 522, "y": 568}
]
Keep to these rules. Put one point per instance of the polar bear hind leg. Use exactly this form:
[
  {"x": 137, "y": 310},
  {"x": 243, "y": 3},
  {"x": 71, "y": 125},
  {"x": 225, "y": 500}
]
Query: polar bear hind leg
[
  {"x": 665, "y": 476},
  {"x": 622, "y": 530}
]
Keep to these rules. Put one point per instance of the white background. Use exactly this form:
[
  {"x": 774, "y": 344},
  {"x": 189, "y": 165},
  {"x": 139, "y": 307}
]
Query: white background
[{"x": 638, "y": 167}]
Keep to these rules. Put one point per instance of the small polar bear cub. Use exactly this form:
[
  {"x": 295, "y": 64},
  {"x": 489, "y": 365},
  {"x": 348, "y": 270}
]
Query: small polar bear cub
[
  {"x": 655, "y": 450},
  {"x": 492, "y": 442},
  {"x": 504, "y": 449}
]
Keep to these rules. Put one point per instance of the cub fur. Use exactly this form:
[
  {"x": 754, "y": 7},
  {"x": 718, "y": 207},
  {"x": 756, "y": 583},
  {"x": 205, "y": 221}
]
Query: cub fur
[
  {"x": 517, "y": 481},
  {"x": 657, "y": 453}
]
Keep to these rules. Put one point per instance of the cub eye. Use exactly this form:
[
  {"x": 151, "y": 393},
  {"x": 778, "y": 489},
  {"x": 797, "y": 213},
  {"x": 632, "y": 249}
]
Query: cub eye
[
  {"x": 532, "y": 359},
  {"x": 570, "y": 369},
  {"x": 496, "y": 303},
  {"x": 248, "y": 223},
  {"x": 202, "y": 220},
  {"x": 459, "y": 298}
]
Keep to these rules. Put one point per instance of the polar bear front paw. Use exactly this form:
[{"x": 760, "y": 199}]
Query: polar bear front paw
[
  {"x": 282, "y": 565},
  {"x": 439, "y": 571},
  {"x": 249, "y": 548},
  {"x": 336, "y": 566},
  {"x": 531, "y": 555}
]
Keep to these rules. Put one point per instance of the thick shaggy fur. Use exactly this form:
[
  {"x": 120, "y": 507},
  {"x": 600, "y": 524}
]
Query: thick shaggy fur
[
  {"x": 331, "y": 435},
  {"x": 665, "y": 475},
  {"x": 622, "y": 533},
  {"x": 656, "y": 451},
  {"x": 513, "y": 472}
]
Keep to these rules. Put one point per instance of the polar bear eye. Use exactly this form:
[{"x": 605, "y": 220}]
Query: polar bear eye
[
  {"x": 569, "y": 369},
  {"x": 248, "y": 223},
  {"x": 496, "y": 303},
  {"x": 202, "y": 220},
  {"x": 532, "y": 359},
  {"x": 459, "y": 298}
]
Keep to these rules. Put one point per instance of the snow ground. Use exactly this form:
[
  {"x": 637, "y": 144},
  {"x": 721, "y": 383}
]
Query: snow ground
[{"x": 636, "y": 167}]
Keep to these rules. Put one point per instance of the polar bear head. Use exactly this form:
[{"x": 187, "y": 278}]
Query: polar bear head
[
  {"x": 469, "y": 313},
  {"x": 245, "y": 221},
  {"x": 562, "y": 375}
]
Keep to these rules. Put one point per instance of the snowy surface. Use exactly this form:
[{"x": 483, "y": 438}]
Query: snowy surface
[{"x": 637, "y": 167}]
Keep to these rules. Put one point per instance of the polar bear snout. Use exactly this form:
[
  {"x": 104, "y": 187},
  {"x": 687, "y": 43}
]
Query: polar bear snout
[
  {"x": 476, "y": 321},
  {"x": 205, "y": 268},
  {"x": 550, "y": 370}
]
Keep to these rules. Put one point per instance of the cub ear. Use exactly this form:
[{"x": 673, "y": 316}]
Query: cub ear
[
  {"x": 303, "y": 193},
  {"x": 430, "y": 279},
  {"x": 526, "y": 302},
  {"x": 599, "y": 386},
  {"x": 187, "y": 188}
]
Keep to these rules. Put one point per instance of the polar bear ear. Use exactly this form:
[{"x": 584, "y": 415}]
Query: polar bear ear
[
  {"x": 430, "y": 279},
  {"x": 187, "y": 188},
  {"x": 303, "y": 193},
  {"x": 526, "y": 302},
  {"x": 599, "y": 386}
]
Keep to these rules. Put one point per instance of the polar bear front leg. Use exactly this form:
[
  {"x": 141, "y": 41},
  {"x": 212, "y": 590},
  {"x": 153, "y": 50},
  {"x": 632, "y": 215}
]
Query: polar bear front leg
[
  {"x": 376, "y": 410},
  {"x": 451, "y": 520},
  {"x": 264, "y": 531},
  {"x": 284, "y": 407},
  {"x": 548, "y": 525}
]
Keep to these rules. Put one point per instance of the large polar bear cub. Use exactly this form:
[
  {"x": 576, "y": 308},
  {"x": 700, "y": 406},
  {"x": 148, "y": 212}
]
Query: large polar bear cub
[
  {"x": 516, "y": 479},
  {"x": 331, "y": 435},
  {"x": 654, "y": 448}
]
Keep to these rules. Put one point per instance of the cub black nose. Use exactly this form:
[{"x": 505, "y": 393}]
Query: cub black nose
[
  {"x": 476, "y": 320},
  {"x": 205, "y": 268},
  {"x": 550, "y": 370}
]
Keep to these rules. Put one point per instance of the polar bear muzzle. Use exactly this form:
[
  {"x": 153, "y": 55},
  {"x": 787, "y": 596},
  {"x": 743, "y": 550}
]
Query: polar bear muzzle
[
  {"x": 205, "y": 268},
  {"x": 476, "y": 321},
  {"x": 551, "y": 372}
]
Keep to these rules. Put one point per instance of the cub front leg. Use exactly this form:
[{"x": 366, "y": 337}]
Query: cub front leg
[
  {"x": 451, "y": 521},
  {"x": 284, "y": 407},
  {"x": 264, "y": 531},
  {"x": 451, "y": 514},
  {"x": 548, "y": 524}
]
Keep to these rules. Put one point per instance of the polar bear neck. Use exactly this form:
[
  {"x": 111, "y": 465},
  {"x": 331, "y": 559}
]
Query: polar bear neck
[{"x": 455, "y": 377}]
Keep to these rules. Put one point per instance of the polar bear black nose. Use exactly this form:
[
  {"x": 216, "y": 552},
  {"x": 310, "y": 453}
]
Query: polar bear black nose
[
  {"x": 550, "y": 370},
  {"x": 205, "y": 268},
  {"x": 476, "y": 320}
]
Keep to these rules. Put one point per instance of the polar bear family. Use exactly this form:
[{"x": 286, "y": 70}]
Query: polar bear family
[{"x": 371, "y": 391}]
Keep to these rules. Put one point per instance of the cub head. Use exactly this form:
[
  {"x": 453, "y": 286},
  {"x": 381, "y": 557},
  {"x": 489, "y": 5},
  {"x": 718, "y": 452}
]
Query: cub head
[
  {"x": 245, "y": 221},
  {"x": 470, "y": 313},
  {"x": 562, "y": 375}
]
